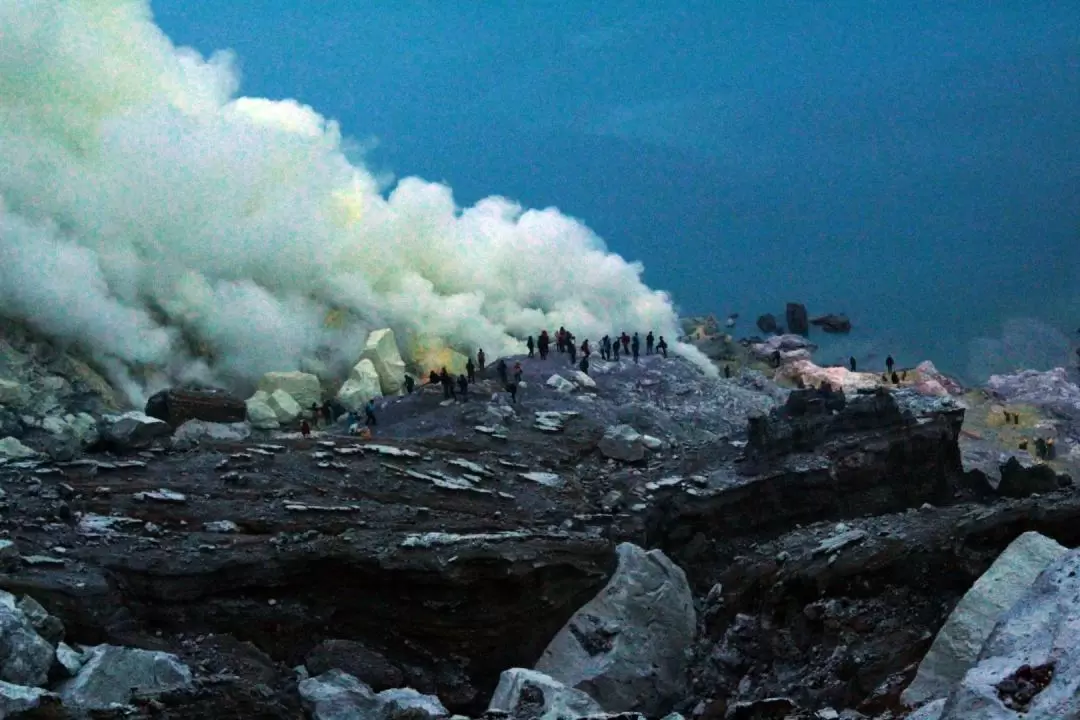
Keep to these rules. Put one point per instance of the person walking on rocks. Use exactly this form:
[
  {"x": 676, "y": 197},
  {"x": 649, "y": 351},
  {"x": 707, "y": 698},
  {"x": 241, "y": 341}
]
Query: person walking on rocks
[
  {"x": 305, "y": 429},
  {"x": 661, "y": 347},
  {"x": 586, "y": 351},
  {"x": 583, "y": 366},
  {"x": 649, "y": 343},
  {"x": 543, "y": 344},
  {"x": 605, "y": 347},
  {"x": 369, "y": 413},
  {"x": 518, "y": 372},
  {"x": 635, "y": 345},
  {"x": 512, "y": 388},
  {"x": 470, "y": 370},
  {"x": 500, "y": 367},
  {"x": 615, "y": 350},
  {"x": 560, "y": 339},
  {"x": 463, "y": 387},
  {"x": 625, "y": 343},
  {"x": 447, "y": 385},
  {"x": 530, "y": 345},
  {"x": 572, "y": 349},
  {"x": 328, "y": 413},
  {"x": 481, "y": 359}
]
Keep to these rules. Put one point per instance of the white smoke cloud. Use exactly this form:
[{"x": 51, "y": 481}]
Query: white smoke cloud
[{"x": 178, "y": 231}]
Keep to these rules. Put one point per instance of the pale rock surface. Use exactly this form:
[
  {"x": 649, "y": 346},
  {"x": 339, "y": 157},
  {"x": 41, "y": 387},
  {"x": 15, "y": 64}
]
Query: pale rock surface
[
  {"x": 336, "y": 695},
  {"x": 69, "y": 659},
  {"x": 560, "y": 384},
  {"x": 929, "y": 711},
  {"x": 628, "y": 648},
  {"x": 622, "y": 442},
  {"x": 839, "y": 377},
  {"x": 259, "y": 413},
  {"x": 194, "y": 431},
  {"x": 14, "y": 450},
  {"x": 286, "y": 408},
  {"x": 652, "y": 443},
  {"x": 25, "y": 657},
  {"x": 382, "y": 350},
  {"x": 19, "y": 699},
  {"x": 788, "y": 343},
  {"x": 527, "y": 694},
  {"x": 584, "y": 380},
  {"x": 113, "y": 674},
  {"x": 1041, "y": 627},
  {"x": 959, "y": 641},
  {"x": 303, "y": 387},
  {"x": 363, "y": 385}
]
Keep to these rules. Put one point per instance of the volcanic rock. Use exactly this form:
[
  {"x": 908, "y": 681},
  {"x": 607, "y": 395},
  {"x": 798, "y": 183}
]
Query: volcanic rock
[
  {"x": 132, "y": 430},
  {"x": 304, "y": 388},
  {"x": 957, "y": 645},
  {"x": 15, "y": 699},
  {"x": 114, "y": 674},
  {"x": 622, "y": 442},
  {"x": 797, "y": 322},
  {"x": 336, "y": 695},
  {"x": 628, "y": 647},
  {"x": 286, "y": 408},
  {"x": 194, "y": 431},
  {"x": 560, "y": 384},
  {"x": 176, "y": 406},
  {"x": 12, "y": 393},
  {"x": 382, "y": 350},
  {"x": 1029, "y": 666},
  {"x": 355, "y": 659},
  {"x": 767, "y": 324},
  {"x": 832, "y": 323},
  {"x": 25, "y": 657},
  {"x": 13, "y": 449},
  {"x": 527, "y": 694}
]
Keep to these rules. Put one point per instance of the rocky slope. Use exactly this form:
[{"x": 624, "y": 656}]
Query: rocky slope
[{"x": 824, "y": 536}]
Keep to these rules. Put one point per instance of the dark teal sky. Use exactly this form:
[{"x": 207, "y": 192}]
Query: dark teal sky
[{"x": 915, "y": 164}]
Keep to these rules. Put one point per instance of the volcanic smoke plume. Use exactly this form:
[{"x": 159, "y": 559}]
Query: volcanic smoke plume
[{"x": 177, "y": 231}]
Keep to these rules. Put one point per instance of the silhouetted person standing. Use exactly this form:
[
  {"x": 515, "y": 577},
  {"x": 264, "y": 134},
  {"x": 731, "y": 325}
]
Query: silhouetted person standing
[
  {"x": 512, "y": 389},
  {"x": 500, "y": 367},
  {"x": 585, "y": 349},
  {"x": 584, "y": 365},
  {"x": 889, "y": 362},
  {"x": 529, "y": 344},
  {"x": 572, "y": 349},
  {"x": 409, "y": 384},
  {"x": 895, "y": 379},
  {"x": 662, "y": 347},
  {"x": 463, "y": 387},
  {"x": 481, "y": 359},
  {"x": 543, "y": 344},
  {"x": 518, "y": 372},
  {"x": 605, "y": 347},
  {"x": 470, "y": 370},
  {"x": 615, "y": 350},
  {"x": 649, "y": 343},
  {"x": 635, "y": 345},
  {"x": 625, "y": 343},
  {"x": 369, "y": 413},
  {"x": 447, "y": 384},
  {"x": 727, "y": 371},
  {"x": 851, "y": 362}
]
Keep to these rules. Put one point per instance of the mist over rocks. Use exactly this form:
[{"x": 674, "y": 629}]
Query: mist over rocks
[{"x": 179, "y": 231}]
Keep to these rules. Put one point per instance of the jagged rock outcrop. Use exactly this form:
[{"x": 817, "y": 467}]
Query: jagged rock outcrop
[
  {"x": 527, "y": 694},
  {"x": 958, "y": 643},
  {"x": 336, "y": 695},
  {"x": 382, "y": 350},
  {"x": 797, "y": 320},
  {"x": 25, "y": 657},
  {"x": 363, "y": 385},
  {"x": 767, "y": 323},
  {"x": 177, "y": 406},
  {"x": 302, "y": 387},
  {"x": 628, "y": 647},
  {"x": 11, "y": 448},
  {"x": 1030, "y": 665}
]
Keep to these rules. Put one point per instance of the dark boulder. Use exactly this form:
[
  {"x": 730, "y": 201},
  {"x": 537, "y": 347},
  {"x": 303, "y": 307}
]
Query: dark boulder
[
  {"x": 832, "y": 323},
  {"x": 1020, "y": 479},
  {"x": 767, "y": 323},
  {"x": 796, "y": 317},
  {"x": 357, "y": 660},
  {"x": 178, "y": 405}
]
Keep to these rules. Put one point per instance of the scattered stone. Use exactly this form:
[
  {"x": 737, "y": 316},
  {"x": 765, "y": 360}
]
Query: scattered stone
[
  {"x": 15, "y": 699},
  {"x": 628, "y": 647},
  {"x": 583, "y": 380},
  {"x": 354, "y": 659},
  {"x": 43, "y": 561},
  {"x": 838, "y": 542},
  {"x": 221, "y": 526},
  {"x": 471, "y": 467},
  {"x": 193, "y": 432},
  {"x": 335, "y": 695},
  {"x": 832, "y": 323},
  {"x": 543, "y": 478},
  {"x": 767, "y": 323},
  {"x": 526, "y": 694},
  {"x": 297, "y": 507},
  {"x": 9, "y": 553},
  {"x": 553, "y": 421},
  {"x": 69, "y": 659},
  {"x": 25, "y": 657},
  {"x": 114, "y": 674},
  {"x": 560, "y": 384},
  {"x": 161, "y": 495},
  {"x": 133, "y": 430},
  {"x": 91, "y": 524},
  {"x": 797, "y": 320},
  {"x": 12, "y": 449},
  {"x": 391, "y": 451}
]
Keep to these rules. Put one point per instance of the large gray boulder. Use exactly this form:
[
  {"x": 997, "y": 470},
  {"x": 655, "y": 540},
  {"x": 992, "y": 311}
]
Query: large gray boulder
[
  {"x": 959, "y": 641},
  {"x": 133, "y": 430},
  {"x": 114, "y": 674},
  {"x": 622, "y": 442},
  {"x": 1030, "y": 666},
  {"x": 12, "y": 449},
  {"x": 193, "y": 432},
  {"x": 355, "y": 659},
  {"x": 628, "y": 647},
  {"x": 528, "y": 694},
  {"x": 25, "y": 657},
  {"x": 19, "y": 699},
  {"x": 336, "y": 695}
]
